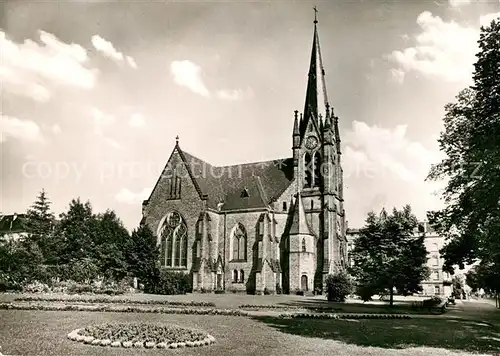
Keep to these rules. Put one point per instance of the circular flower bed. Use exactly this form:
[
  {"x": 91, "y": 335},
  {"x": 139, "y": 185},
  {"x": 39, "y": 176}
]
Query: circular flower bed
[{"x": 141, "y": 335}]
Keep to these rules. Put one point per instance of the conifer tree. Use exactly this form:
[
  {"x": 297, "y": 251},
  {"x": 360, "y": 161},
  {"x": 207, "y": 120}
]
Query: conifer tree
[{"x": 40, "y": 222}]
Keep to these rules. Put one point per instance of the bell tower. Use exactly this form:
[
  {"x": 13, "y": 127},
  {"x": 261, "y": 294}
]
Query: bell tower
[{"x": 317, "y": 169}]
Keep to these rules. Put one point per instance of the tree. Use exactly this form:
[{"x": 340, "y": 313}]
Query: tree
[
  {"x": 388, "y": 256},
  {"x": 75, "y": 233},
  {"x": 338, "y": 286},
  {"x": 40, "y": 222},
  {"x": 142, "y": 254},
  {"x": 110, "y": 242},
  {"x": 485, "y": 276},
  {"x": 471, "y": 218},
  {"x": 458, "y": 286}
]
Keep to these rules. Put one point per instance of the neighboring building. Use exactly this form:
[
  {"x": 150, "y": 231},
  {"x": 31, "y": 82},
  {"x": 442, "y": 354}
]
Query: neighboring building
[
  {"x": 13, "y": 227},
  {"x": 256, "y": 226},
  {"x": 439, "y": 282}
]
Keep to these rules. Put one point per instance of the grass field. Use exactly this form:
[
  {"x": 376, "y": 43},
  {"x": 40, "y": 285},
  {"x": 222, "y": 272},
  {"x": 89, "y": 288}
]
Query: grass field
[
  {"x": 44, "y": 333},
  {"x": 469, "y": 329}
]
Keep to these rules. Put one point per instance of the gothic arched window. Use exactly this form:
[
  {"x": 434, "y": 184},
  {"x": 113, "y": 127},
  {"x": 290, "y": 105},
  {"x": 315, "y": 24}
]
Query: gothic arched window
[
  {"x": 235, "y": 276},
  {"x": 242, "y": 276},
  {"x": 239, "y": 241},
  {"x": 173, "y": 241},
  {"x": 317, "y": 169},
  {"x": 304, "y": 249},
  {"x": 307, "y": 171}
]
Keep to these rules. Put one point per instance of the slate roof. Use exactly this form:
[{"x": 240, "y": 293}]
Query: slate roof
[
  {"x": 263, "y": 181},
  {"x": 300, "y": 225},
  {"x": 10, "y": 225}
]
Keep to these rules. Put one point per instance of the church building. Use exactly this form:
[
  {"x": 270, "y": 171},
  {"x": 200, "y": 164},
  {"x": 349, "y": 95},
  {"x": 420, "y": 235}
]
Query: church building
[{"x": 258, "y": 227}]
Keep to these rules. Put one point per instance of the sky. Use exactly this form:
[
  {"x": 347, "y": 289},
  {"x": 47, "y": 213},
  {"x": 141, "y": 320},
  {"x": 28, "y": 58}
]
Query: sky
[{"x": 94, "y": 93}]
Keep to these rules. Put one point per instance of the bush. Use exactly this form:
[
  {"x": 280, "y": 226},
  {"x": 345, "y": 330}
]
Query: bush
[
  {"x": 267, "y": 291},
  {"x": 338, "y": 286},
  {"x": 84, "y": 270},
  {"x": 169, "y": 283},
  {"x": 365, "y": 292},
  {"x": 278, "y": 289},
  {"x": 432, "y": 302},
  {"x": 36, "y": 287}
]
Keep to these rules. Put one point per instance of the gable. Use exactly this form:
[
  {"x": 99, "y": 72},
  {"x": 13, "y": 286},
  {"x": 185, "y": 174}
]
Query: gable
[
  {"x": 244, "y": 186},
  {"x": 176, "y": 181}
]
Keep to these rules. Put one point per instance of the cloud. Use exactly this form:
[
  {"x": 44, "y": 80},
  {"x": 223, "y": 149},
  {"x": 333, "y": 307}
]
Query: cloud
[
  {"x": 113, "y": 143},
  {"x": 128, "y": 197},
  {"x": 137, "y": 120},
  {"x": 485, "y": 20},
  {"x": 108, "y": 50},
  {"x": 56, "y": 129},
  {"x": 233, "y": 94},
  {"x": 131, "y": 61},
  {"x": 25, "y": 130},
  {"x": 101, "y": 120},
  {"x": 457, "y": 3},
  {"x": 188, "y": 74},
  {"x": 375, "y": 158},
  {"x": 443, "y": 49},
  {"x": 397, "y": 75},
  {"x": 30, "y": 68}
]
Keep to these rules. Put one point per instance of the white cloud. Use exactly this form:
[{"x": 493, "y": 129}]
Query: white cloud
[
  {"x": 188, "y": 74},
  {"x": 397, "y": 75},
  {"x": 56, "y": 129},
  {"x": 25, "y": 130},
  {"x": 29, "y": 68},
  {"x": 457, "y": 3},
  {"x": 108, "y": 49},
  {"x": 443, "y": 49},
  {"x": 131, "y": 61},
  {"x": 137, "y": 120},
  {"x": 113, "y": 143},
  {"x": 233, "y": 94},
  {"x": 485, "y": 20},
  {"x": 128, "y": 197},
  {"x": 376, "y": 158},
  {"x": 101, "y": 120}
]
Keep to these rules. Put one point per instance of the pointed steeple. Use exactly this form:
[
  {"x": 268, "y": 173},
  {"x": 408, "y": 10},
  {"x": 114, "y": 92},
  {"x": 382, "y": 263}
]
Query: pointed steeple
[
  {"x": 299, "y": 226},
  {"x": 316, "y": 95},
  {"x": 296, "y": 124}
]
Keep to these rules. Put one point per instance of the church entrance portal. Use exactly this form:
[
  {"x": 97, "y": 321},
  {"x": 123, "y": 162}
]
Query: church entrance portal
[
  {"x": 303, "y": 283},
  {"x": 219, "y": 281}
]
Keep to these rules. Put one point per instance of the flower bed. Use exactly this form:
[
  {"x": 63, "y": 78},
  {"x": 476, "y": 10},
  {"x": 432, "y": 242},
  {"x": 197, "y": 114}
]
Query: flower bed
[
  {"x": 115, "y": 301},
  {"x": 343, "y": 316},
  {"x": 141, "y": 335},
  {"x": 122, "y": 309},
  {"x": 287, "y": 307}
]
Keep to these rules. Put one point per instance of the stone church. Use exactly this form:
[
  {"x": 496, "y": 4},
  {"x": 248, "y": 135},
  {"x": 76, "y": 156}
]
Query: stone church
[{"x": 258, "y": 227}]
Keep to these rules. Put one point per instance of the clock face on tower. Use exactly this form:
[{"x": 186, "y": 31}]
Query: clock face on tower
[{"x": 311, "y": 142}]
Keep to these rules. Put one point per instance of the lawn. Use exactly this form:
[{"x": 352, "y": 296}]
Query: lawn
[
  {"x": 44, "y": 333},
  {"x": 234, "y": 301}
]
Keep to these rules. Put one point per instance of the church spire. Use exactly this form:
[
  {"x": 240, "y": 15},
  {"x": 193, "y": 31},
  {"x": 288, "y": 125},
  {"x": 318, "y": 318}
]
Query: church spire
[{"x": 316, "y": 96}]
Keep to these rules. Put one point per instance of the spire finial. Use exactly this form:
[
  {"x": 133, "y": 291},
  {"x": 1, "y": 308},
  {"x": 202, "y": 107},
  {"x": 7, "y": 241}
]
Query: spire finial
[
  {"x": 177, "y": 139},
  {"x": 315, "y": 14}
]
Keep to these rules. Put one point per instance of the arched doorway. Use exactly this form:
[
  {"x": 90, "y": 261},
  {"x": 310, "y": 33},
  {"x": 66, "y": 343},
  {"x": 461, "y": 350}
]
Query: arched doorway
[{"x": 303, "y": 283}]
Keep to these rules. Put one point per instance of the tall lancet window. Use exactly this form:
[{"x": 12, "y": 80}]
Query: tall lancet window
[
  {"x": 317, "y": 169},
  {"x": 308, "y": 179},
  {"x": 174, "y": 184},
  {"x": 174, "y": 241},
  {"x": 239, "y": 242}
]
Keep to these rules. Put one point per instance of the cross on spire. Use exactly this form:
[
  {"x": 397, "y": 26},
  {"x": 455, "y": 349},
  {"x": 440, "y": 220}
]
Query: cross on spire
[{"x": 315, "y": 14}]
